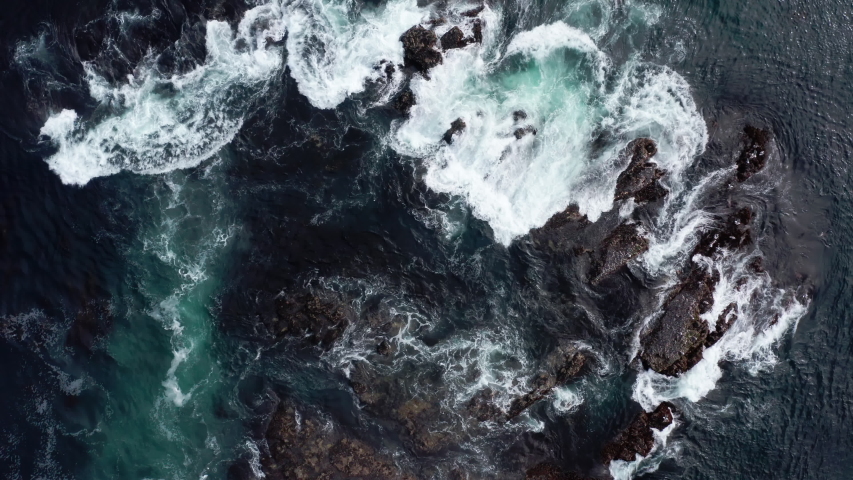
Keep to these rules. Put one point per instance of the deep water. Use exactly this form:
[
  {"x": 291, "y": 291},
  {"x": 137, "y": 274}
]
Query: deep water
[{"x": 171, "y": 172}]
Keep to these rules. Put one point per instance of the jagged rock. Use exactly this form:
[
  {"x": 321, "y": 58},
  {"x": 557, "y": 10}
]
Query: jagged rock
[
  {"x": 303, "y": 446},
  {"x": 389, "y": 70},
  {"x": 563, "y": 364},
  {"x": 419, "y": 49},
  {"x": 733, "y": 234},
  {"x": 619, "y": 248},
  {"x": 725, "y": 321},
  {"x": 477, "y": 30},
  {"x": 319, "y": 322},
  {"x": 519, "y": 115},
  {"x": 676, "y": 340},
  {"x": 384, "y": 348},
  {"x": 404, "y": 101},
  {"x": 754, "y": 155},
  {"x": 457, "y": 126},
  {"x": 638, "y": 438},
  {"x": 521, "y": 132},
  {"x": 640, "y": 179},
  {"x": 473, "y": 12},
  {"x": 757, "y": 265},
  {"x": 454, "y": 38}
]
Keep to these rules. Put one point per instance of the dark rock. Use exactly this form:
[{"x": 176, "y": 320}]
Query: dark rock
[
  {"x": 754, "y": 155},
  {"x": 676, "y": 339},
  {"x": 457, "y": 126},
  {"x": 404, "y": 101},
  {"x": 319, "y": 321},
  {"x": 473, "y": 12},
  {"x": 302, "y": 446},
  {"x": 640, "y": 179},
  {"x": 482, "y": 406},
  {"x": 757, "y": 265},
  {"x": 638, "y": 438},
  {"x": 733, "y": 234},
  {"x": 417, "y": 416},
  {"x": 521, "y": 132},
  {"x": 419, "y": 49},
  {"x": 435, "y": 22},
  {"x": 454, "y": 38},
  {"x": 384, "y": 348},
  {"x": 725, "y": 321},
  {"x": 389, "y": 71},
  {"x": 477, "y": 29},
  {"x": 562, "y": 365},
  {"x": 619, "y": 248},
  {"x": 519, "y": 115}
]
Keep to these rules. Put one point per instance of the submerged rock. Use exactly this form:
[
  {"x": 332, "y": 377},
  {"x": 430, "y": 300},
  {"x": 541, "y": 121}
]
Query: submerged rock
[
  {"x": 304, "y": 446},
  {"x": 477, "y": 30},
  {"x": 419, "y": 49},
  {"x": 454, "y": 38},
  {"x": 638, "y": 438},
  {"x": 619, "y": 248},
  {"x": 318, "y": 321},
  {"x": 482, "y": 406},
  {"x": 562, "y": 365},
  {"x": 457, "y": 126},
  {"x": 754, "y": 155},
  {"x": 547, "y": 471},
  {"x": 640, "y": 179}
]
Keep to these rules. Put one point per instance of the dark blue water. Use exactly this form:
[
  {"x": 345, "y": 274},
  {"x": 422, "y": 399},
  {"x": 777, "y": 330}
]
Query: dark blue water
[{"x": 200, "y": 179}]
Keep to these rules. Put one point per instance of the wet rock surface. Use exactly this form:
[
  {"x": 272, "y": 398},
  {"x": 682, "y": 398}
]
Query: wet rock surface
[
  {"x": 676, "y": 340},
  {"x": 638, "y": 437},
  {"x": 404, "y": 101},
  {"x": 419, "y": 49},
  {"x": 561, "y": 366},
  {"x": 640, "y": 179},
  {"x": 754, "y": 155},
  {"x": 456, "y": 127},
  {"x": 454, "y": 38},
  {"x": 620, "y": 247},
  {"x": 317, "y": 320},
  {"x": 304, "y": 446},
  {"x": 547, "y": 471}
]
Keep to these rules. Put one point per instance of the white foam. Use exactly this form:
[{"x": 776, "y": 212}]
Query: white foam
[
  {"x": 161, "y": 124},
  {"x": 332, "y": 56}
]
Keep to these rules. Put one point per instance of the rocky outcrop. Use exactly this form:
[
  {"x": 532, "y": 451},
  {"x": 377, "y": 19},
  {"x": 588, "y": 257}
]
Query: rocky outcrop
[
  {"x": 419, "y": 49},
  {"x": 624, "y": 244},
  {"x": 562, "y": 365},
  {"x": 302, "y": 446},
  {"x": 457, "y": 126},
  {"x": 754, "y": 155},
  {"x": 473, "y": 12},
  {"x": 640, "y": 179},
  {"x": 454, "y": 38},
  {"x": 318, "y": 321},
  {"x": 404, "y": 101},
  {"x": 675, "y": 341},
  {"x": 519, "y": 133},
  {"x": 638, "y": 438}
]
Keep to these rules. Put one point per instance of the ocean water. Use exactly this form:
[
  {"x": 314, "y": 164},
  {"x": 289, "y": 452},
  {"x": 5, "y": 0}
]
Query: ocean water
[{"x": 172, "y": 170}]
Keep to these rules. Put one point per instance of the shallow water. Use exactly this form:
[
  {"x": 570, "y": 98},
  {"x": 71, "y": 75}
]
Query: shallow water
[{"x": 169, "y": 170}]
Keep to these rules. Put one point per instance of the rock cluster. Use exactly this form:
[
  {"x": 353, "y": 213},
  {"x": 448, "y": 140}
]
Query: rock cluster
[
  {"x": 754, "y": 155},
  {"x": 640, "y": 179},
  {"x": 302, "y": 447},
  {"x": 638, "y": 438}
]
